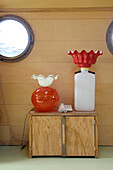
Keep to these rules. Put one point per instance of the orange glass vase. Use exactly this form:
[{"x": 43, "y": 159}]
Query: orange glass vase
[{"x": 45, "y": 98}]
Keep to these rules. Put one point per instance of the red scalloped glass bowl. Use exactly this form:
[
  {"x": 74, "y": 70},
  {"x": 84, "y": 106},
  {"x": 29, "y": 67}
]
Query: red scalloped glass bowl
[
  {"x": 45, "y": 99},
  {"x": 85, "y": 59}
]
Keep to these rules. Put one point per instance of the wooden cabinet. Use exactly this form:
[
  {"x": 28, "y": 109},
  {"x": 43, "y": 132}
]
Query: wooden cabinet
[{"x": 63, "y": 134}]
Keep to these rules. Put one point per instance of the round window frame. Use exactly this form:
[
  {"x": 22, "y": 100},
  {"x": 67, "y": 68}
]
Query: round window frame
[
  {"x": 109, "y": 34},
  {"x": 30, "y": 44}
]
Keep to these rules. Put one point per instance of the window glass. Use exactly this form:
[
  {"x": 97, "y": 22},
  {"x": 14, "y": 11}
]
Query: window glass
[{"x": 16, "y": 38}]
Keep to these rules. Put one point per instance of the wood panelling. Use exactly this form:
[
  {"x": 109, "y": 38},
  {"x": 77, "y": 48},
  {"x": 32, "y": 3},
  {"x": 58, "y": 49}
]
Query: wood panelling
[
  {"x": 105, "y": 135},
  {"x": 104, "y": 72},
  {"x": 14, "y": 114},
  {"x": 55, "y": 34},
  {"x": 104, "y": 93},
  {"x": 62, "y": 69},
  {"x": 57, "y": 52},
  {"x": 4, "y": 135},
  {"x": 21, "y": 93},
  {"x": 12, "y": 135},
  {"x": 26, "y": 70},
  {"x": 55, "y": 4},
  {"x": 16, "y": 133},
  {"x": 60, "y": 15},
  {"x": 105, "y": 115},
  {"x": 17, "y": 93},
  {"x": 58, "y": 30}
]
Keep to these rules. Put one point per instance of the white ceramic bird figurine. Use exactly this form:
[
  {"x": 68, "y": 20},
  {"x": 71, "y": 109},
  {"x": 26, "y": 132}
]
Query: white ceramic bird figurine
[{"x": 45, "y": 81}]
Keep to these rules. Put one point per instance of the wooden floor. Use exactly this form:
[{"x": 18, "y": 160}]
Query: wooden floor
[{"x": 11, "y": 158}]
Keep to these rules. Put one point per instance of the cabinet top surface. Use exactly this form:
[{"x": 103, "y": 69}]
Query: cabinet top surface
[{"x": 35, "y": 112}]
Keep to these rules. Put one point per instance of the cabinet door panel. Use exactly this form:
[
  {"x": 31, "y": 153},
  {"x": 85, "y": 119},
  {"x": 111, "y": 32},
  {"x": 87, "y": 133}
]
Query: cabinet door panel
[
  {"x": 46, "y": 135},
  {"x": 80, "y": 136}
]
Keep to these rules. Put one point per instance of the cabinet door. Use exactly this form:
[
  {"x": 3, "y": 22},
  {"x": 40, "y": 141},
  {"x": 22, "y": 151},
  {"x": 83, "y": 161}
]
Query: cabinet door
[
  {"x": 46, "y": 135},
  {"x": 80, "y": 136}
]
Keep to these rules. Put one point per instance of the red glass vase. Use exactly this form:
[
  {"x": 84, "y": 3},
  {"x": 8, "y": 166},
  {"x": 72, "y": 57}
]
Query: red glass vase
[
  {"x": 45, "y": 98},
  {"x": 84, "y": 59}
]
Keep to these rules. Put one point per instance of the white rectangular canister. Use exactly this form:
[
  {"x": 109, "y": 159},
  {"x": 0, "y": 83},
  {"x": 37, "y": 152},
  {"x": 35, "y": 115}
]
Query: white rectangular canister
[{"x": 84, "y": 90}]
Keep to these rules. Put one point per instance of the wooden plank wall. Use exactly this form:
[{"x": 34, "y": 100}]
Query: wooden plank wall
[
  {"x": 55, "y": 34},
  {"x": 55, "y": 4}
]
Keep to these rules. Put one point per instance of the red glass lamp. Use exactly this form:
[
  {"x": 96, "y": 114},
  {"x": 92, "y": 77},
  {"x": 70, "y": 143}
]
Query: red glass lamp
[{"x": 45, "y": 98}]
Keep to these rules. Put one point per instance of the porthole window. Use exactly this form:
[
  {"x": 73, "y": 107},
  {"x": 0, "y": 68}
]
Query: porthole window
[
  {"x": 109, "y": 37},
  {"x": 16, "y": 38}
]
